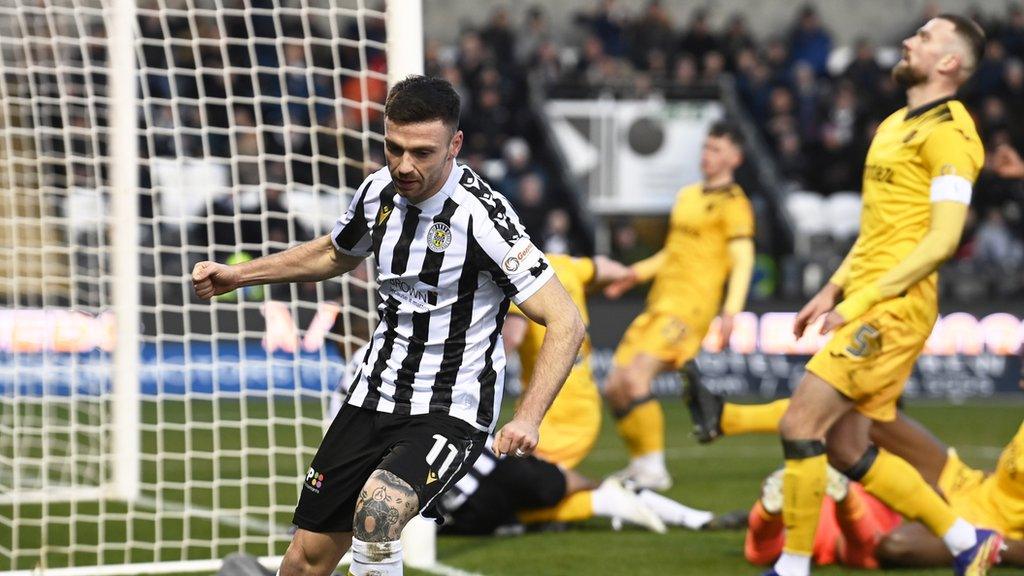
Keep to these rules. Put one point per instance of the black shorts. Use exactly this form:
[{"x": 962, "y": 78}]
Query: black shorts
[
  {"x": 430, "y": 452},
  {"x": 515, "y": 485}
]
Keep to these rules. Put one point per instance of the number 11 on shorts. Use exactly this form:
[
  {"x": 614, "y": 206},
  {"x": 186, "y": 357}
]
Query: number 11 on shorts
[{"x": 435, "y": 452}]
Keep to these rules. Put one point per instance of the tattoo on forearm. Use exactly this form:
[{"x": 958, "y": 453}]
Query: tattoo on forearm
[{"x": 385, "y": 505}]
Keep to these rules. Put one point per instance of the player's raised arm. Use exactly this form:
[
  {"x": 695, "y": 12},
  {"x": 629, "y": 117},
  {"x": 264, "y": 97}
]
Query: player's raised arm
[
  {"x": 308, "y": 262},
  {"x": 552, "y": 307},
  {"x": 639, "y": 273}
]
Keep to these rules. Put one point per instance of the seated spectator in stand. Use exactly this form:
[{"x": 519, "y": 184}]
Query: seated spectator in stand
[{"x": 810, "y": 42}]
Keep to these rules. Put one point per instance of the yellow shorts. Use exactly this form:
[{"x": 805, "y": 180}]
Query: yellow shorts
[
  {"x": 671, "y": 338},
  {"x": 570, "y": 428},
  {"x": 957, "y": 477},
  {"x": 869, "y": 361}
]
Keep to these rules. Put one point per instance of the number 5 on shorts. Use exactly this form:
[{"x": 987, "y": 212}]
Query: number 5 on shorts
[{"x": 866, "y": 341}]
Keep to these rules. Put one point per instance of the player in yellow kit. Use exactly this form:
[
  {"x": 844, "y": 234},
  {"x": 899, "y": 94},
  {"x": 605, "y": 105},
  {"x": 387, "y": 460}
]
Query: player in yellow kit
[
  {"x": 709, "y": 244},
  {"x": 918, "y": 177},
  {"x": 571, "y": 425}
]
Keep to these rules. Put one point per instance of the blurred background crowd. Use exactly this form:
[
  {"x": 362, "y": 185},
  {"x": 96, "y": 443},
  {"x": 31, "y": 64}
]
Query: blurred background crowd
[{"x": 280, "y": 102}]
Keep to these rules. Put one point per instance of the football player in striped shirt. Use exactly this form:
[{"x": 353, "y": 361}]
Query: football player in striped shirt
[{"x": 450, "y": 256}]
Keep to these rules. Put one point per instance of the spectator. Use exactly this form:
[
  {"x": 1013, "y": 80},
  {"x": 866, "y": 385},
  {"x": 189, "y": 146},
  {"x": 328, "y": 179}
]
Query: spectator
[
  {"x": 533, "y": 36},
  {"x": 557, "y": 237},
  {"x": 1012, "y": 35},
  {"x": 650, "y": 33},
  {"x": 736, "y": 39},
  {"x": 532, "y": 205},
  {"x": 809, "y": 41},
  {"x": 995, "y": 248},
  {"x": 499, "y": 37},
  {"x": 864, "y": 70},
  {"x": 606, "y": 24},
  {"x": 698, "y": 39},
  {"x": 518, "y": 164}
]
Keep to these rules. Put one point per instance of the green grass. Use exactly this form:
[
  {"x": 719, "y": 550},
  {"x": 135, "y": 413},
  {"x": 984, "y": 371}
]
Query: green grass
[{"x": 721, "y": 477}]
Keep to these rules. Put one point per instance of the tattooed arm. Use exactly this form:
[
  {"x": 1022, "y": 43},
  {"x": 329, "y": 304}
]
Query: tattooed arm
[{"x": 386, "y": 504}]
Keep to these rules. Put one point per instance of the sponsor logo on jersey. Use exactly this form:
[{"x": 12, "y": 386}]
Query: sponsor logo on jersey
[
  {"x": 314, "y": 480},
  {"x": 522, "y": 254},
  {"x": 416, "y": 297},
  {"x": 439, "y": 237}
]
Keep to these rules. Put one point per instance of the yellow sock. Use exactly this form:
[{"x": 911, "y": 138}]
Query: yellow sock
[
  {"x": 803, "y": 488},
  {"x": 901, "y": 486},
  {"x": 573, "y": 508},
  {"x": 643, "y": 428},
  {"x": 752, "y": 418}
]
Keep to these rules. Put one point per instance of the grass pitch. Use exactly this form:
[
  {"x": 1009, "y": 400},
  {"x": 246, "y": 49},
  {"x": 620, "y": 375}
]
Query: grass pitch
[{"x": 721, "y": 477}]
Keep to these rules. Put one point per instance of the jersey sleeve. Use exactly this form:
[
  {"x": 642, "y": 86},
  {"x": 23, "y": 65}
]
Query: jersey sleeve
[
  {"x": 518, "y": 267},
  {"x": 351, "y": 234},
  {"x": 738, "y": 218},
  {"x": 952, "y": 149}
]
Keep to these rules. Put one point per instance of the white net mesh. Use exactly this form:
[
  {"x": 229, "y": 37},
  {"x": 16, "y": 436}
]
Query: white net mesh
[{"x": 257, "y": 118}]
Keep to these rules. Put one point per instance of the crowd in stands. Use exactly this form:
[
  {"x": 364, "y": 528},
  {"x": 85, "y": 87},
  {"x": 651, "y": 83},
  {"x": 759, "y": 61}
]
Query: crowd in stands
[
  {"x": 268, "y": 95},
  {"x": 817, "y": 104}
]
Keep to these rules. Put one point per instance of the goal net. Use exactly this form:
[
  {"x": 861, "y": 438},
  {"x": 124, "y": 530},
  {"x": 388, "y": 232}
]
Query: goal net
[{"x": 139, "y": 426}]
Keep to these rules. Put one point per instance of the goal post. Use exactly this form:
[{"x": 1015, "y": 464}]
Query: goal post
[{"x": 141, "y": 430}]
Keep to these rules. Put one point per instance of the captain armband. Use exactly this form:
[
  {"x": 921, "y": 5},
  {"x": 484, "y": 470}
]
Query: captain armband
[{"x": 951, "y": 188}]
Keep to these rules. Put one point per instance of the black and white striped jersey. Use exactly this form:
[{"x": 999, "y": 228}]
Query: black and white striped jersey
[{"x": 446, "y": 271}]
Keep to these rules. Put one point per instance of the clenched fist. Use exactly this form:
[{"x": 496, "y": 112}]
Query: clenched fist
[
  {"x": 211, "y": 279},
  {"x": 517, "y": 438}
]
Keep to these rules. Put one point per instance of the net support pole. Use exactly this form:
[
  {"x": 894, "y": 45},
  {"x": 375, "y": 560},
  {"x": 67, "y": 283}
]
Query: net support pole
[
  {"x": 124, "y": 229},
  {"x": 404, "y": 21}
]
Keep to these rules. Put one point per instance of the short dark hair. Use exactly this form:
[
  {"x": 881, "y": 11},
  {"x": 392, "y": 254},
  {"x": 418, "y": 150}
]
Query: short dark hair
[
  {"x": 422, "y": 99},
  {"x": 970, "y": 32},
  {"x": 727, "y": 129}
]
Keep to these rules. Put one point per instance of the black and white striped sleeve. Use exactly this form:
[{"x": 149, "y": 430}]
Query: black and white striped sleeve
[
  {"x": 351, "y": 234},
  {"x": 519, "y": 267}
]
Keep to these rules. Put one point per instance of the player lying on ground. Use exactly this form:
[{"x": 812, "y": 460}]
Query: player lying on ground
[
  {"x": 511, "y": 492},
  {"x": 710, "y": 243},
  {"x": 450, "y": 255},
  {"x": 994, "y": 501},
  {"x": 882, "y": 303},
  {"x": 499, "y": 493}
]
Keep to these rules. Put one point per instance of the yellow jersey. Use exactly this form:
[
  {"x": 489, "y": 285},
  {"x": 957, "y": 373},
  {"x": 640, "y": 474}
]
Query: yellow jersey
[
  {"x": 692, "y": 277},
  {"x": 575, "y": 274},
  {"x": 998, "y": 501},
  {"x": 909, "y": 149}
]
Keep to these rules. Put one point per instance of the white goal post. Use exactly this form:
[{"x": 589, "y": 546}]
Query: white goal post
[{"x": 143, "y": 431}]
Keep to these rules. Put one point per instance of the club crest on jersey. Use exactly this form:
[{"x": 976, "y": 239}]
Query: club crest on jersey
[{"x": 439, "y": 237}]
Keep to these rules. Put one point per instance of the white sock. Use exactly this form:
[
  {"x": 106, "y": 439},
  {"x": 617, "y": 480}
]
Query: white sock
[
  {"x": 651, "y": 461},
  {"x": 674, "y": 513},
  {"x": 377, "y": 558},
  {"x": 793, "y": 565},
  {"x": 608, "y": 503},
  {"x": 960, "y": 536}
]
